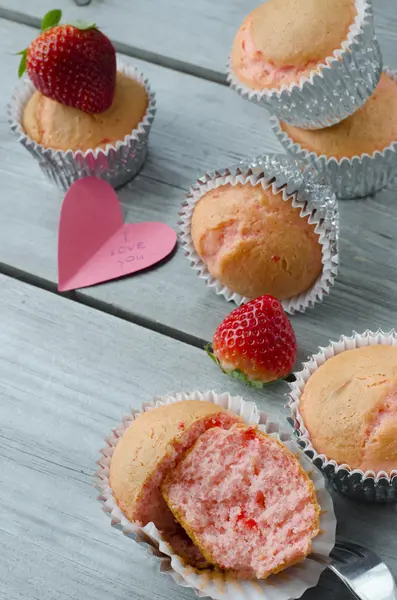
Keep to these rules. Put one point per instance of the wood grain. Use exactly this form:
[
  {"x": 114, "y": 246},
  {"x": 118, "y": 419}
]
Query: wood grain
[
  {"x": 67, "y": 376},
  {"x": 199, "y": 125},
  {"x": 192, "y": 36},
  {"x": 191, "y": 133},
  {"x": 68, "y": 373}
]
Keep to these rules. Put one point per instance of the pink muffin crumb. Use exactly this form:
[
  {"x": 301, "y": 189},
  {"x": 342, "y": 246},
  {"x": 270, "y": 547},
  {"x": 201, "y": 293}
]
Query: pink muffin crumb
[
  {"x": 245, "y": 501},
  {"x": 256, "y": 71}
]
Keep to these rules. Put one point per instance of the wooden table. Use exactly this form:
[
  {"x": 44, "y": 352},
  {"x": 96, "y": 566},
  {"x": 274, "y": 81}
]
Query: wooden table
[{"x": 72, "y": 365}]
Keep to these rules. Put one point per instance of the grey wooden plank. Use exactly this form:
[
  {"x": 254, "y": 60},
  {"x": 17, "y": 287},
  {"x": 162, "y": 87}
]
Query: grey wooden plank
[
  {"x": 196, "y": 36},
  {"x": 67, "y": 375},
  {"x": 200, "y": 125}
]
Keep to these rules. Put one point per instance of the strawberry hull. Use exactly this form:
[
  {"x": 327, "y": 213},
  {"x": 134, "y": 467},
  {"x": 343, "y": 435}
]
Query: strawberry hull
[{"x": 117, "y": 164}]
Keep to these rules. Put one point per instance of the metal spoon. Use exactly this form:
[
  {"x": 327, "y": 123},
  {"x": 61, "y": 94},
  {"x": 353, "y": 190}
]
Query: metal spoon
[{"x": 361, "y": 570}]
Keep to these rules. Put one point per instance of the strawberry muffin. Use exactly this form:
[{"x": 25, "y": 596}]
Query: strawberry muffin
[
  {"x": 358, "y": 155},
  {"x": 255, "y": 242},
  {"x": 61, "y": 127},
  {"x": 295, "y": 57},
  {"x": 271, "y": 47},
  {"x": 78, "y": 113},
  {"x": 349, "y": 408},
  {"x": 245, "y": 501}
]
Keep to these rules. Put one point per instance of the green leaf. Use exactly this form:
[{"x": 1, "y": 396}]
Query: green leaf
[
  {"x": 237, "y": 374},
  {"x": 208, "y": 349},
  {"x": 83, "y": 25},
  {"x": 51, "y": 19},
  {"x": 256, "y": 385},
  {"x": 22, "y": 64}
]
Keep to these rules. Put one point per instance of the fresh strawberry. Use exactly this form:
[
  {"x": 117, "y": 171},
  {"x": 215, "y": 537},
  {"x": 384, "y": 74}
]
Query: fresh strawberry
[
  {"x": 255, "y": 343},
  {"x": 72, "y": 64}
]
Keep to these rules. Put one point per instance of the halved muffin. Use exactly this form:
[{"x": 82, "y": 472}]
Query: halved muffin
[{"x": 245, "y": 501}]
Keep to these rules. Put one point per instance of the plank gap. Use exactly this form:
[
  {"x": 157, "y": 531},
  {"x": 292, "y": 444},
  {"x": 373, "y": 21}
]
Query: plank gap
[{"x": 102, "y": 306}]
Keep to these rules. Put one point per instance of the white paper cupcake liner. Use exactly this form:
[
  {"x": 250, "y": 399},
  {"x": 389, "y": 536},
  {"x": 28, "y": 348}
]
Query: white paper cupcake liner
[
  {"x": 369, "y": 486},
  {"x": 349, "y": 177},
  {"x": 336, "y": 90},
  {"x": 116, "y": 163},
  {"x": 291, "y": 583},
  {"x": 316, "y": 202}
]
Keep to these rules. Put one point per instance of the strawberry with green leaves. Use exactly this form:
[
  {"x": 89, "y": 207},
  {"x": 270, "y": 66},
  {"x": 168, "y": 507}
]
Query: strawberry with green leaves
[
  {"x": 72, "y": 64},
  {"x": 255, "y": 343}
]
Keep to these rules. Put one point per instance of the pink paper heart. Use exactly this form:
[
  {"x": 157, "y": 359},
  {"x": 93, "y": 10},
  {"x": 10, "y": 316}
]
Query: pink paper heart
[{"x": 94, "y": 245}]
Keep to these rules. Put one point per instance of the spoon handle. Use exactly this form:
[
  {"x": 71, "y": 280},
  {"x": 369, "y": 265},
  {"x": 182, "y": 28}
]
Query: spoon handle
[{"x": 331, "y": 564}]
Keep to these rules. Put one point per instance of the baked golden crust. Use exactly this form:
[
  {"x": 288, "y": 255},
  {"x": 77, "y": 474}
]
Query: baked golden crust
[
  {"x": 295, "y": 32},
  {"x": 54, "y": 125},
  {"x": 255, "y": 243}
]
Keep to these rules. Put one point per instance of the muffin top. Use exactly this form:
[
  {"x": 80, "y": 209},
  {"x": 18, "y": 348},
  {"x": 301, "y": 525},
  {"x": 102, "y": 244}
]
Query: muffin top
[
  {"x": 373, "y": 127},
  {"x": 349, "y": 407},
  {"x": 293, "y": 32},
  {"x": 291, "y": 37},
  {"x": 254, "y": 242},
  {"x": 54, "y": 125}
]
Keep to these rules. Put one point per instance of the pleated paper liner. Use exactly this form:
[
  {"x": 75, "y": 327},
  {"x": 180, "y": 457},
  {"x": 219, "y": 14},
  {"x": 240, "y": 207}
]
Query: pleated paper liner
[
  {"x": 349, "y": 177},
  {"x": 291, "y": 583},
  {"x": 315, "y": 201},
  {"x": 336, "y": 89},
  {"x": 378, "y": 487},
  {"x": 117, "y": 163}
]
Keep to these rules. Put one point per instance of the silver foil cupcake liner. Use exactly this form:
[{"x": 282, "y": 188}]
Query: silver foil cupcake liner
[
  {"x": 366, "y": 486},
  {"x": 349, "y": 177},
  {"x": 316, "y": 203},
  {"x": 116, "y": 163},
  {"x": 336, "y": 89},
  {"x": 291, "y": 583}
]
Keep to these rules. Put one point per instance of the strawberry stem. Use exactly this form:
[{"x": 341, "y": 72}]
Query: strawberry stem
[
  {"x": 83, "y": 25},
  {"x": 51, "y": 19},
  {"x": 252, "y": 383}
]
